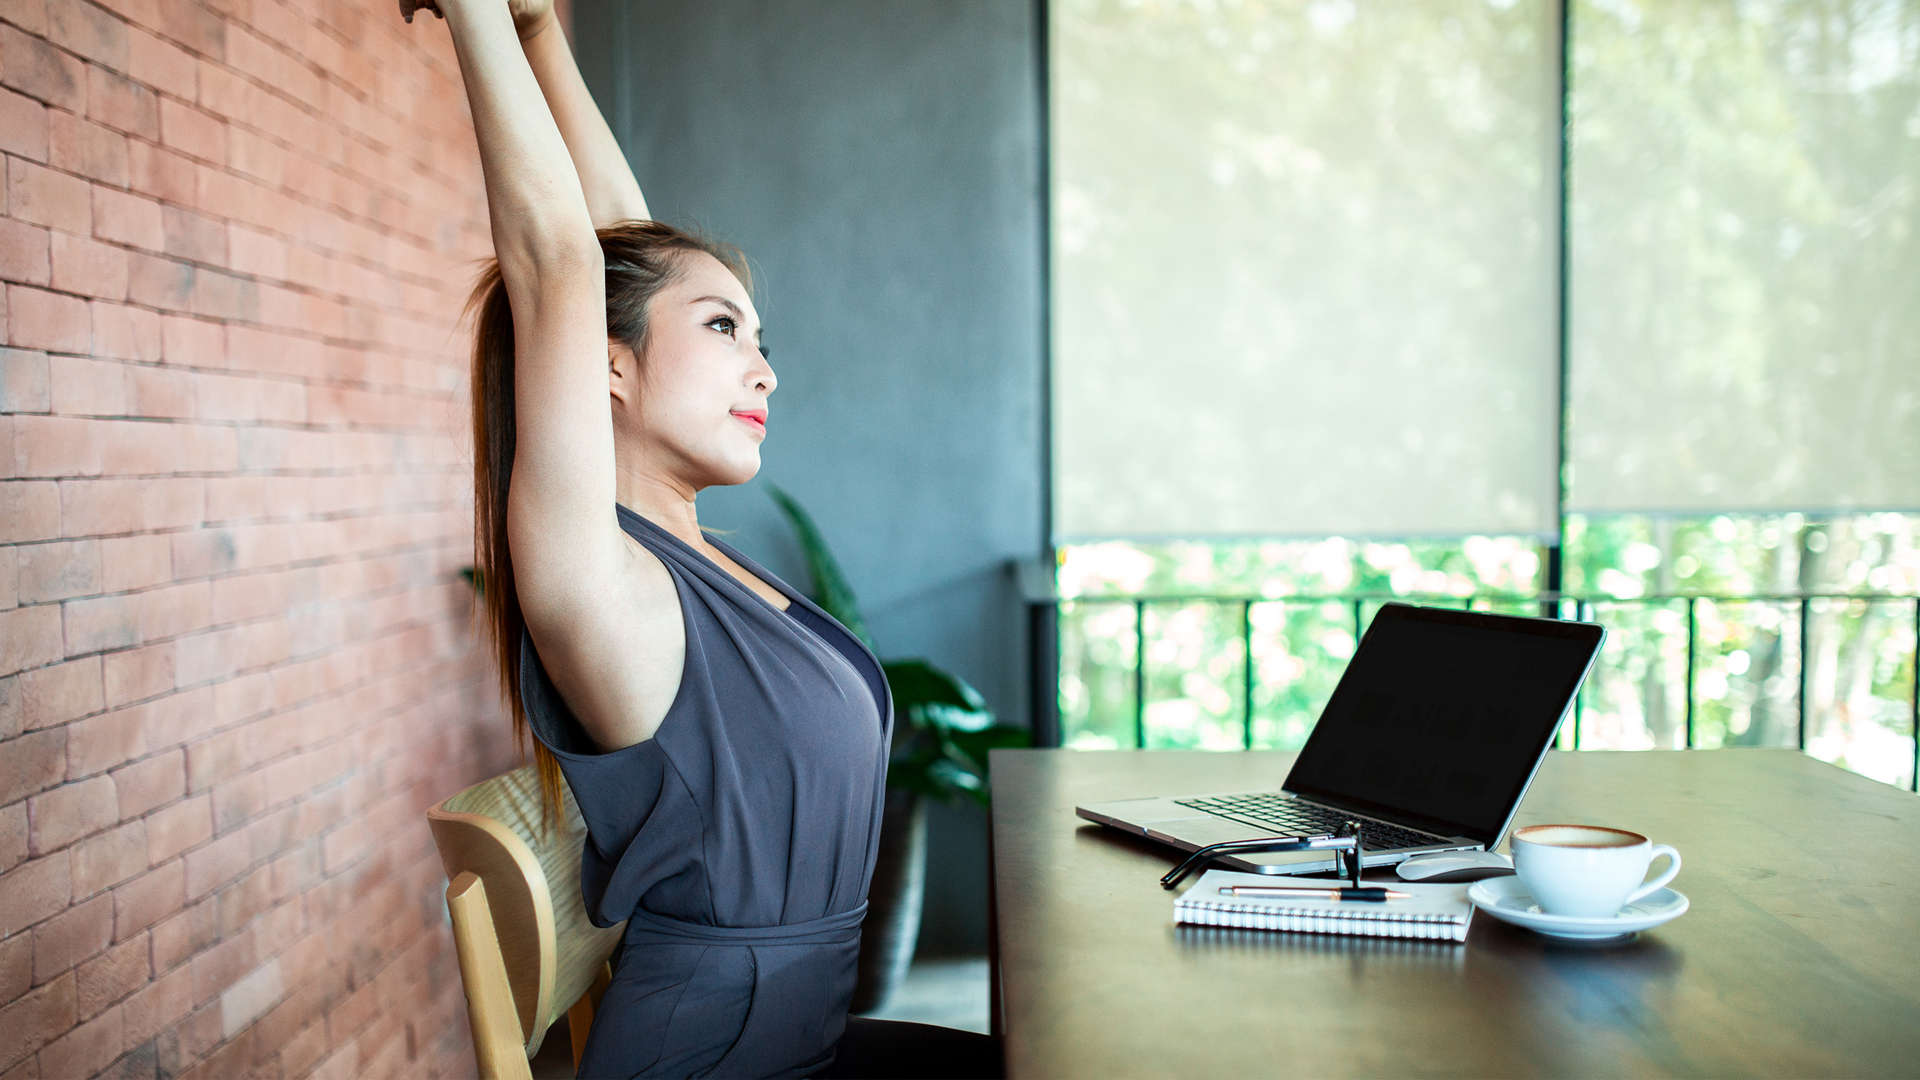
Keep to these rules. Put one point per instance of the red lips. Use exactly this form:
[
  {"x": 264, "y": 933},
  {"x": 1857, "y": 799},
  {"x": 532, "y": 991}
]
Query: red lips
[{"x": 753, "y": 418}]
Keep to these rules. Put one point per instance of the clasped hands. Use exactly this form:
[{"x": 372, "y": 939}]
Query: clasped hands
[{"x": 529, "y": 16}]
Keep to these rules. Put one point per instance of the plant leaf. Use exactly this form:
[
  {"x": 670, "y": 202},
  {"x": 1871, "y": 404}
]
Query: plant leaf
[
  {"x": 917, "y": 684},
  {"x": 830, "y": 589}
]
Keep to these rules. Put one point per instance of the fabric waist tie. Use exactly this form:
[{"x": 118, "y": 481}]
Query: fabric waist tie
[{"x": 832, "y": 930}]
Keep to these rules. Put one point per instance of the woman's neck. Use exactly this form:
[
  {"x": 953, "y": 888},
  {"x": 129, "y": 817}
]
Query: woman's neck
[{"x": 666, "y": 503}]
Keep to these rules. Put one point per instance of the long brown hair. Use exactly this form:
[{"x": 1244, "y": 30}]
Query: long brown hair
[{"x": 642, "y": 257}]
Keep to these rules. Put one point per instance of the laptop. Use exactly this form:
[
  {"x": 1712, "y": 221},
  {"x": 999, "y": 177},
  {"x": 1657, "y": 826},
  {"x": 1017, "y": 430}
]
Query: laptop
[{"x": 1429, "y": 741}]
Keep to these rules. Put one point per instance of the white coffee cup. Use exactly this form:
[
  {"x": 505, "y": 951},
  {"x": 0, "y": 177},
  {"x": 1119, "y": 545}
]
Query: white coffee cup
[{"x": 1587, "y": 870}]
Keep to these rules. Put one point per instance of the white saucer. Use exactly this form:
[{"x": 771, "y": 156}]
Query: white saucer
[{"x": 1507, "y": 899}]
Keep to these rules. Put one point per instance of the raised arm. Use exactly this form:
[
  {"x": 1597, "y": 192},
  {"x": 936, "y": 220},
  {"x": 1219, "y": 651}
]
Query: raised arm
[
  {"x": 616, "y": 664},
  {"x": 613, "y": 194}
]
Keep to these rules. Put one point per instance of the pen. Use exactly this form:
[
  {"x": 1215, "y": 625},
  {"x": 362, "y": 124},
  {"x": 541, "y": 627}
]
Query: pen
[{"x": 1376, "y": 895}]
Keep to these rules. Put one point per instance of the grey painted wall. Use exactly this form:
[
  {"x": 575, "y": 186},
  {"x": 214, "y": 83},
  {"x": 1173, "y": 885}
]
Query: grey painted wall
[{"x": 882, "y": 164}]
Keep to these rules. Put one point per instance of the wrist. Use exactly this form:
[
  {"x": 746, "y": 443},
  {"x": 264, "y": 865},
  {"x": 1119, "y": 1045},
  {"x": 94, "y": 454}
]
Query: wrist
[{"x": 528, "y": 33}]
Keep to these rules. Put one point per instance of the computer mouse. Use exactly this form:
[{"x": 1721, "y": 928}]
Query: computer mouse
[{"x": 1454, "y": 866}]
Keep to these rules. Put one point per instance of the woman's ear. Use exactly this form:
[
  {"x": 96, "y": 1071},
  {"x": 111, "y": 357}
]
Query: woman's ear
[{"x": 623, "y": 373}]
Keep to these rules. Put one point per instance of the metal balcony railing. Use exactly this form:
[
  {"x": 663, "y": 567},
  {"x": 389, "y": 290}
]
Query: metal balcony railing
[{"x": 1045, "y": 611}]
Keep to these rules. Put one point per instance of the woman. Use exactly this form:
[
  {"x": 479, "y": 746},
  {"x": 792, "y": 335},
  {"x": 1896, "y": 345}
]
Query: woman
[{"x": 725, "y": 739}]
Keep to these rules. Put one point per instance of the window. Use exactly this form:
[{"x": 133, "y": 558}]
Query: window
[{"x": 1308, "y": 304}]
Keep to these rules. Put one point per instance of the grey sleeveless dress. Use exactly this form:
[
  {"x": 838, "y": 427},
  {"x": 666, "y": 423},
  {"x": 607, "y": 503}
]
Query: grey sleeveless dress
[{"x": 738, "y": 841}]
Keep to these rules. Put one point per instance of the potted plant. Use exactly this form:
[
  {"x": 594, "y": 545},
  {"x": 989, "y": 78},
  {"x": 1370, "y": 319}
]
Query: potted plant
[{"x": 942, "y": 731}]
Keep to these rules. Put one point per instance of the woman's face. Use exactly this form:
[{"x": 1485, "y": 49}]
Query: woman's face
[{"x": 694, "y": 410}]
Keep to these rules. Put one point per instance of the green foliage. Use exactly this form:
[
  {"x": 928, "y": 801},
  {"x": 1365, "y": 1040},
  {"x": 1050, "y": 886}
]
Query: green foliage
[
  {"x": 830, "y": 588},
  {"x": 942, "y": 728}
]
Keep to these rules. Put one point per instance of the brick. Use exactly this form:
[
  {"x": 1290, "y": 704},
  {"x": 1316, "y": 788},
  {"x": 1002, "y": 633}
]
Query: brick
[
  {"x": 239, "y": 800},
  {"x": 89, "y": 507},
  {"x": 296, "y": 871},
  {"x": 255, "y": 156},
  {"x": 86, "y": 148},
  {"x": 29, "y": 510},
  {"x": 151, "y": 782},
  {"x": 101, "y": 623},
  {"x": 32, "y": 763},
  {"x": 136, "y": 562},
  {"x": 256, "y": 253},
  {"x": 55, "y": 446},
  {"x": 83, "y": 28},
  {"x": 13, "y": 841},
  {"x": 122, "y": 104},
  {"x": 86, "y": 1049},
  {"x": 135, "y": 675},
  {"x": 23, "y": 378},
  {"x": 104, "y": 742},
  {"x": 29, "y": 637},
  {"x": 193, "y": 237},
  {"x": 35, "y": 1020},
  {"x": 138, "y": 12},
  {"x": 25, "y": 253},
  {"x": 59, "y": 571},
  {"x": 216, "y": 760},
  {"x": 38, "y": 70},
  {"x": 170, "y": 612},
  {"x": 192, "y": 132},
  {"x": 127, "y": 219},
  {"x": 111, "y": 976},
  {"x": 223, "y": 296},
  {"x": 158, "y": 1006},
  {"x": 193, "y": 342},
  {"x": 61, "y": 943},
  {"x": 215, "y": 864},
  {"x": 40, "y": 196},
  {"x": 149, "y": 898},
  {"x": 16, "y": 966},
  {"x": 81, "y": 265},
  {"x": 108, "y": 859},
  {"x": 23, "y": 126},
  {"x": 28, "y": 15},
  {"x": 184, "y": 936},
  {"x": 71, "y": 812},
  {"x": 179, "y": 827},
  {"x": 161, "y": 64},
  {"x": 160, "y": 393},
  {"x": 161, "y": 173},
  {"x": 160, "y": 283},
  {"x": 124, "y": 333},
  {"x": 37, "y": 319},
  {"x": 245, "y": 1000},
  {"x": 33, "y": 891},
  {"x": 200, "y": 30},
  {"x": 58, "y": 693},
  {"x": 83, "y": 386},
  {"x": 251, "y": 899},
  {"x": 220, "y": 966}
]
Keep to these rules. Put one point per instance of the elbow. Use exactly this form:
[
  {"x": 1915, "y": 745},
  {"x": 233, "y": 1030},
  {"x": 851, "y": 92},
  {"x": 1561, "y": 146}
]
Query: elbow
[{"x": 537, "y": 255}]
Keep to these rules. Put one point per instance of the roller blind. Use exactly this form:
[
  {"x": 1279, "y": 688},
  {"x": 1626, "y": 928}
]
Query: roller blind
[
  {"x": 1304, "y": 267},
  {"x": 1746, "y": 256}
]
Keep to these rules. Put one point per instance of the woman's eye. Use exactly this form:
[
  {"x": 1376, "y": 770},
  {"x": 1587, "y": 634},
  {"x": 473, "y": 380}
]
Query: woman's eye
[{"x": 725, "y": 325}]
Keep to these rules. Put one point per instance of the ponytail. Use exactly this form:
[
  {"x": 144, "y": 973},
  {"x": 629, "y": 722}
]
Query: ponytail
[{"x": 642, "y": 257}]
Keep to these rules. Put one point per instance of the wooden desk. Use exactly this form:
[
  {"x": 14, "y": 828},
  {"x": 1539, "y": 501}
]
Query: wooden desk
[{"x": 1800, "y": 956}]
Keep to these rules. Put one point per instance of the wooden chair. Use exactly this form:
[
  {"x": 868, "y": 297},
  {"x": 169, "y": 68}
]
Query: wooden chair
[{"x": 527, "y": 950}]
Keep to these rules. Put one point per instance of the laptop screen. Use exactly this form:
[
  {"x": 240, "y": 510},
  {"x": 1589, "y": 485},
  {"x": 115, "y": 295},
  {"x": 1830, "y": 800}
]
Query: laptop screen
[{"x": 1442, "y": 716}]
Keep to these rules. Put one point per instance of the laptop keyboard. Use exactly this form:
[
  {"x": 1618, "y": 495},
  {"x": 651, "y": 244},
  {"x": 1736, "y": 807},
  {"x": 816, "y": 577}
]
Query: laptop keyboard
[{"x": 1291, "y": 817}]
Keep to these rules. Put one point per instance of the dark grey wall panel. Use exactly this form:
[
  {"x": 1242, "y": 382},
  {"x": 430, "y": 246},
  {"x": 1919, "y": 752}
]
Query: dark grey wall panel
[{"x": 881, "y": 162}]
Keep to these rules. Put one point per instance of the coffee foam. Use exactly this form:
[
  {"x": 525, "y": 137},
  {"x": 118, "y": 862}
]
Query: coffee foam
[{"x": 1586, "y": 836}]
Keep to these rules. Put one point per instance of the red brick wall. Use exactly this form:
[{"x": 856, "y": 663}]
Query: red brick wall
[{"x": 236, "y": 660}]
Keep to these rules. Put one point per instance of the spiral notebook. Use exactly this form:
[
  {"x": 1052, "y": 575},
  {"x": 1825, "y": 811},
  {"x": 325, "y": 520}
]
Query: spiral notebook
[{"x": 1435, "y": 913}]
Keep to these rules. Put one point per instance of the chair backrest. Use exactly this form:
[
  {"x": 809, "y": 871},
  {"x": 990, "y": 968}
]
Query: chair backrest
[{"x": 551, "y": 952}]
